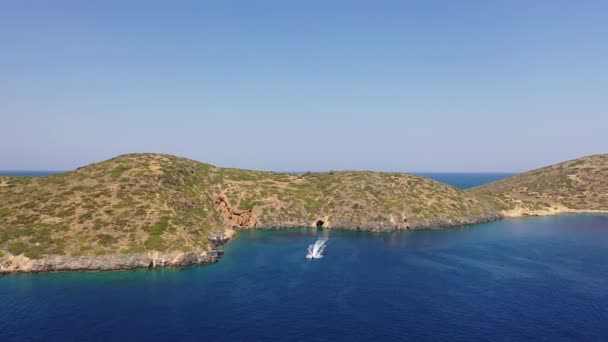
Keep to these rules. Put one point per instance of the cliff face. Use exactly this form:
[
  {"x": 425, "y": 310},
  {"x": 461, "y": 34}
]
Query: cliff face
[{"x": 575, "y": 185}]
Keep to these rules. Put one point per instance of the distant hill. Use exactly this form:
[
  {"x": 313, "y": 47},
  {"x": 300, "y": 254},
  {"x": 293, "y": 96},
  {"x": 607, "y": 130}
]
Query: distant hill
[{"x": 575, "y": 185}]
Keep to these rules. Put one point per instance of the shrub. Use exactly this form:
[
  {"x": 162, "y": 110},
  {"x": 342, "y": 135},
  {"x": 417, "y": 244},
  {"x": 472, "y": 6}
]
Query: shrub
[
  {"x": 35, "y": 252},
  {"x": 105, "y": 239},
  {"x": 86, "y": 216},
  {"x": 249, "y": 203},
  {"x": 155, "y": 240},
  {"x": 133, "y": 249},
  {"x": 118, "y": 171},
  {"x": 17, "y": 248}
]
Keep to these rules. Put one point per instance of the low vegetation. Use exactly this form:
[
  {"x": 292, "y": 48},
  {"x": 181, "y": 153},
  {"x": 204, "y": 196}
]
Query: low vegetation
[
  {"x": 580, "y": 184},
  {"x": 133, "y": 203},
  {"x": 151, "y": 202}
]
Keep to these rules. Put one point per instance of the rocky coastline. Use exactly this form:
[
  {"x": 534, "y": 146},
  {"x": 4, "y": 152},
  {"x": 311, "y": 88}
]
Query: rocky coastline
[
  {"x": 386, "y": 226},
  {"x": 115, "y": 262},
  {"x": 76, "y": 221},
  {"x": 152, "y": 260}
]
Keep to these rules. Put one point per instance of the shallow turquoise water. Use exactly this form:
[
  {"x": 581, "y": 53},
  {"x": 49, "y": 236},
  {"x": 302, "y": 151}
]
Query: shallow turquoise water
[{"x": 520, "y": 279}]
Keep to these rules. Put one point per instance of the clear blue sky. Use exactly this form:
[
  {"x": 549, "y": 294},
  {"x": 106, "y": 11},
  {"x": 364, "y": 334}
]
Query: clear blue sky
[{"x": 305, "y": 85}]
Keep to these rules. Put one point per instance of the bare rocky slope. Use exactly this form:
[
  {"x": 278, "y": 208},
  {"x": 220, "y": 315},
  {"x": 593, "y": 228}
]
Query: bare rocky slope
[{"x": 153, "y": 210}]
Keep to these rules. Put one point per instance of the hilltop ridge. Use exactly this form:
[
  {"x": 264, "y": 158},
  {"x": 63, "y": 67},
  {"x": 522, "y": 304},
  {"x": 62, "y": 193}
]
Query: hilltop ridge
[{"x": 579, "y": 185}]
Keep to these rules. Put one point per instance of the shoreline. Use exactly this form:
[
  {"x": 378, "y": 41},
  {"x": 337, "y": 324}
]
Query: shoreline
[
  {"x": 14, "y": 264},
  {"x": 516, "y": 213},
  {"x": 20, "y": 264}
]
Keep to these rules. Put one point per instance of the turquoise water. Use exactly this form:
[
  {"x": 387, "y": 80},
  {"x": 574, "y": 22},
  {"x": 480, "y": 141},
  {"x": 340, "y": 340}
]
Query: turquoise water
[{"x": 521, "y": 279}]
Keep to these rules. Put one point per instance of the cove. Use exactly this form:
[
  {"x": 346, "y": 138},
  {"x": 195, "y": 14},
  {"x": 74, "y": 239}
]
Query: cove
[{"x": 516, "y": 279}]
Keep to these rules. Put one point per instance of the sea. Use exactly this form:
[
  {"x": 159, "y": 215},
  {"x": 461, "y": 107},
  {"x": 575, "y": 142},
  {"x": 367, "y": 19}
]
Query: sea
[{"x": 526, "y": 279}]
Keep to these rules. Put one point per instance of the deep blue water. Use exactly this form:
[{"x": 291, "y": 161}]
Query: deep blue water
[
  {"x": 520, "y": 279},
  {"x": 465, "y": 180},
  {"x": 36, "y": 173}
]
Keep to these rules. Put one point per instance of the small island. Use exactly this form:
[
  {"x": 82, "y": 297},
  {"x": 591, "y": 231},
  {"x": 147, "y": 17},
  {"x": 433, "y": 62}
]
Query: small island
[{"x": 155, "y": 210}]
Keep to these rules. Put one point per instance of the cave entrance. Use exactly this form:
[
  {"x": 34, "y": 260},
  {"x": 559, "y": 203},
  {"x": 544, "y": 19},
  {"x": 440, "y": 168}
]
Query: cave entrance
[{"x": 320, "y": 224}]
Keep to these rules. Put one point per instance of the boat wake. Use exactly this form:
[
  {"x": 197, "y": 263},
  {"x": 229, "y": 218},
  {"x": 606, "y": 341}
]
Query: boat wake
[{"x": 315, "y": 251}]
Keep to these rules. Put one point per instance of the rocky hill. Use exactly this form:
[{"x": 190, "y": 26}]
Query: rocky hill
[
  {"x": 144, "y": 210},
  {"x": 149, "y": 210},
  {"x": 571, "y": 186}
]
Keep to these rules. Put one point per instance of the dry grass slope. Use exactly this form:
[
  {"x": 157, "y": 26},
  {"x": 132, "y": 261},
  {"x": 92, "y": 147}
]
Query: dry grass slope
[
  {"x": 368, "y": 200},
  {"x": 128, "y": 204},
  {"x": 151, "y": 202},
  {"x": 580, "y": 184}
]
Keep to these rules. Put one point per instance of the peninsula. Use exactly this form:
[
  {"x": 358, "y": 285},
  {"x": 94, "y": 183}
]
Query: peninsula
[{"x": 154, "y": 210}]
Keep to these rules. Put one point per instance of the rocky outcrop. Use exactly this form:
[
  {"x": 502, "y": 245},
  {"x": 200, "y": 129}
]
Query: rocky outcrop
[
  {"x": 462, "y": 221},
  {"x": 22, "y": 264},
  {"x": 235, "y": 218},
  {"x": 390, "y": 225},
  {"x": 218, "y": 240}
]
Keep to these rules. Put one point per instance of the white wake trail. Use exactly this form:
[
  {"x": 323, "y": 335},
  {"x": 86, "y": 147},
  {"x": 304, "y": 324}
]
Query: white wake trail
[{"x": 315, "y": 251}]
